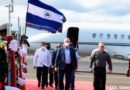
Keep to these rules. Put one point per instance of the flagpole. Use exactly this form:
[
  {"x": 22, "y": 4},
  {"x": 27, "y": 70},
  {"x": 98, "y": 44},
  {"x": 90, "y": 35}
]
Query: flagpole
[{"x": 25, "y": 21}]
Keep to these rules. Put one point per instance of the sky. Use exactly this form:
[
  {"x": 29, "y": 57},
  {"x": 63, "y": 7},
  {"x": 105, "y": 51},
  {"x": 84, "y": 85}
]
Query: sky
[{"x": 95, "y": 11}]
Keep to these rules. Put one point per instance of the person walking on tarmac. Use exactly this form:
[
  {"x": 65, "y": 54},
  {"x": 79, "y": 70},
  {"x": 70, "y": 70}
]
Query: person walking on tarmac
[
  {"x": 99, "y": 57},
  {"x": 65, "y": 63},
  {"x": 53, "y": 63},
  {"x": 42, "y": 61}
]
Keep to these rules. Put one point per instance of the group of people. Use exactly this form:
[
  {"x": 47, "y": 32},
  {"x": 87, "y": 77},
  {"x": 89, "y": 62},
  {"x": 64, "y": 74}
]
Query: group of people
[
  {"x": 64, "y": 62},
  {"x": 61, "y": 62},
  {"x": 10, "y": 43}
]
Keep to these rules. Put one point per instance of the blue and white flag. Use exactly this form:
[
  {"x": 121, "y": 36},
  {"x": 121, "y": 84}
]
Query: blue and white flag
[{"x": 44, "y": 17}]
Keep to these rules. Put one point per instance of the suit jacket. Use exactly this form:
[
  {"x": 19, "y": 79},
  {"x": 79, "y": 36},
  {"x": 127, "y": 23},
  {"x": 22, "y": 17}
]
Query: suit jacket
[
  {"x": 54, "y": 56},
  {"x": 60, "y": 59}
]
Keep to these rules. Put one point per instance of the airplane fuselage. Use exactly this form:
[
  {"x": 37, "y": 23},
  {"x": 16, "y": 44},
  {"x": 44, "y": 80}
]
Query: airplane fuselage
[{"x": 116, "y": 38}]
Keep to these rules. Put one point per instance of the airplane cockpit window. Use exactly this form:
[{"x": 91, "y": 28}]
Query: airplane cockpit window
[
  {"x": 108, "y": 36},
  {"x": 122, "y": 36},
  {"x": 115, "y": 36},
  {"x": 100, "y": 35},
  {"x": 129, "y": 37},
  {"x": 94, "y": 35}
]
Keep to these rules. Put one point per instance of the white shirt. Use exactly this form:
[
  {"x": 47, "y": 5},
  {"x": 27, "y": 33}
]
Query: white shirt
[
  {"x": 13, "y": 45},
  {"x": 42, "y": 57},
  {"x": 23, "y": 50}
]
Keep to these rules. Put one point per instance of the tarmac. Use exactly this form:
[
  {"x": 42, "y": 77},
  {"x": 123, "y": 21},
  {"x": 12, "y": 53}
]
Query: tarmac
[{"x": 115, "y": 81}]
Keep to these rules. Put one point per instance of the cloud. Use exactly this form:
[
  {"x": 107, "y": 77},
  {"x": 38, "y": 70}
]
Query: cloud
[
  {"x": 91, "y": 4},
  {"x": 110, "y": 7},
  {"x": 66, "y": 4},
  {"x": 94, "y": 10},
  {"x": 60, "y": 4},
  {"x": 93, "y": 17},
  {"x": 16, "y": 2},
  {"x": 106, "y": 11},
  {"x": 4, "y": 2},
  {"x": 19, "y": 11}
]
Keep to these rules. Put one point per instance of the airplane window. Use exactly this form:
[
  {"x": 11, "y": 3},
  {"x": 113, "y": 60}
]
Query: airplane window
[
  {"x": 100, "y": 35},
  {"x": 122, "y": 36},
  {"x": 108, "y": 36},
  {"x": 94, "y": 35},
  {"x": 115, "y": 36},
  {"x": 129, "y": 37}
]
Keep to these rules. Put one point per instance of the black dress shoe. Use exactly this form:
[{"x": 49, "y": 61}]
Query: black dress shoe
[
  {"x": 42, "y": 88},
  {"x": 56, "y": 88},
  {"x": 50, "y": 85},
  {"x": 39, "y": 84}
]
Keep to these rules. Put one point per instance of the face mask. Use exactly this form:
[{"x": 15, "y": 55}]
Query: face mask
[
  {"x": 66, "y": 44},
  {"x": 23, "y": 44},
  {"x": 43, "y": 47}
]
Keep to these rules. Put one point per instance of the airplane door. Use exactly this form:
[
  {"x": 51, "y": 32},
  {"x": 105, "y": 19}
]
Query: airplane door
[
  {"x": 3, "y": 31},
  {"x": 72, "y": 34}
]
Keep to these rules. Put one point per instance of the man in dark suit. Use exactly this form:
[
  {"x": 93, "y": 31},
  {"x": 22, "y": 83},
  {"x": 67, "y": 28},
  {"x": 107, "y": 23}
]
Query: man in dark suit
[
  {"x": 53, "y": 63},
  {"x": 65, "y": 63}
]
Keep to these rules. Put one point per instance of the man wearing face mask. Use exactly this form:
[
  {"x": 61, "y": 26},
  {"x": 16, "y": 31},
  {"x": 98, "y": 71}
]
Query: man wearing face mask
[
  {"x": 65, "y": 63},
  {"x": 42, "y": 61}
]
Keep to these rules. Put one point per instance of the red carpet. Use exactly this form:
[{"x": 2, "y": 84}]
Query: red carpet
[{"x": 32, "y": 85}]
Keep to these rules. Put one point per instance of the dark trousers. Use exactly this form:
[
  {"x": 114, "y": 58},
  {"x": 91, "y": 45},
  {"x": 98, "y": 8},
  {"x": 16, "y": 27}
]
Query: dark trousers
[
  {"x": 99, "y": 78},
  {"x": 67, "y": 72},
  {"x": 72, "y": 82},
  {"x": 39, "y": 74},
  {"x": 56, "y": 79},
  {"x": 2, "y": 76},
  {"x": 51, "y": 76},
  {"x": 47, "y": 79},
  {"x": 42, "y": 75}
]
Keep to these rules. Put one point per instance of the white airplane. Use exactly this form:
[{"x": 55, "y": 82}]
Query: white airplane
[{"x": 116, "y": 38}]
